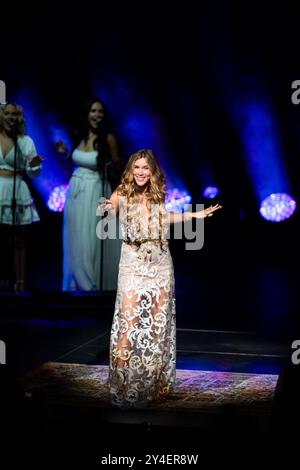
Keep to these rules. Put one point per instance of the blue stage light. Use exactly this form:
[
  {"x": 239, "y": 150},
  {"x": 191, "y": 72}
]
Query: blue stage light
[
  {"x": 210, "y": 192},
  {"x": 176, "y": 199},
  {"x": 57, "y": 198},
  {"x": 277, "y": 207}
]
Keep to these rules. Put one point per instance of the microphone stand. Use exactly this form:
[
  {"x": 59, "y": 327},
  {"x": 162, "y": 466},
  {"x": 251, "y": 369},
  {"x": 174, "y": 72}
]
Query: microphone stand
[
  {"x": 101, "y": 241},
  {"x": 103, "y": 178},
  {"x": 14, "y": 202}
]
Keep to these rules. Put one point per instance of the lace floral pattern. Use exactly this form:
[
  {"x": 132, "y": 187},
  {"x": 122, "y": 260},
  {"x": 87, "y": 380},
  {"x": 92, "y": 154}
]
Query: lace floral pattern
[{"x": 142, "y": 347}]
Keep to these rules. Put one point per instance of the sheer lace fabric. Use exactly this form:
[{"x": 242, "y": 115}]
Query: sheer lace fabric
[{"x": 142, "y": 344}]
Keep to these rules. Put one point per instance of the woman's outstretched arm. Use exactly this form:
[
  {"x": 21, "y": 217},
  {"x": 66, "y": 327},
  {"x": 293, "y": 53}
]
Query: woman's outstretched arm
[{"x": 175, "y": 217}]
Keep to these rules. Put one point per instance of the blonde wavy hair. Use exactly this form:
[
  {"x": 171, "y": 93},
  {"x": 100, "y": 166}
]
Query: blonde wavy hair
[
  {"x": 156, "y": 189},
  {"x": 20, "y": 118}
]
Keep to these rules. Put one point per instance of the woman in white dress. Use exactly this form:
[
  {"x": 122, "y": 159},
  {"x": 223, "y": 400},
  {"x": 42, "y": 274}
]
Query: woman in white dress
[
  {"x": 142, "y": 345},
  {"x": 21, "y": 208},
  {"x": 97, "y": 163}
]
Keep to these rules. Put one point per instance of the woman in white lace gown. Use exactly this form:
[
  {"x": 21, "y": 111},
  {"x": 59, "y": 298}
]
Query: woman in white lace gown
[{"x": 143, "y": 335}]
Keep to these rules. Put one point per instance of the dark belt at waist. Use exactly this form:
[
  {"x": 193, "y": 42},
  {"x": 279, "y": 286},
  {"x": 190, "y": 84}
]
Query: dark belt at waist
[
  {"x": 10, "y": 173},
  {"x": 143, "y": 240}
]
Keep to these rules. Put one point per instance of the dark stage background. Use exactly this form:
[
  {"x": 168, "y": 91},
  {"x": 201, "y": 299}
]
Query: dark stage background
[
  {"x": 208, "y": 86},
  {"x": 173, "y": 78}
]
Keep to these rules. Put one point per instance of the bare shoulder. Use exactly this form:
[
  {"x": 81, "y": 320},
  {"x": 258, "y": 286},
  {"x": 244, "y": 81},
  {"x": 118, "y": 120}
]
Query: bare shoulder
[
  {"x": 115, "y": 198},
  {"x": 115, "y": 195},
  {"x": 81, "y": 146}
]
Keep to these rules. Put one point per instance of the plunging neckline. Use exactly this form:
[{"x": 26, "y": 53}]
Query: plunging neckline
[
  {"x": 148, "y": 218},
  {"x": 5, "y": 156}
]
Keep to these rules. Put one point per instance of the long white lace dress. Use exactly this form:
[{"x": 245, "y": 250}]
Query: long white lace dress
[{"x": 142, "y": 345}]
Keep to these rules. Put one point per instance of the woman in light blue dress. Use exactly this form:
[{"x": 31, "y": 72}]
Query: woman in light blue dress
[
  {"x": 17, "y": 208},
  {"x": 97, "y": 164}
]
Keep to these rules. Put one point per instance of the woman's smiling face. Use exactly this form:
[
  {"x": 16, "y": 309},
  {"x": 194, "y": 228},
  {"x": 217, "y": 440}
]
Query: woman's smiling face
[{"x": 141, "y": 172}]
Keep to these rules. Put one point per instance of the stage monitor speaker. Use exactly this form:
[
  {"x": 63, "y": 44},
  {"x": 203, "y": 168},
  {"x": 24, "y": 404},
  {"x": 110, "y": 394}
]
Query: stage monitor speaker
[{"x": 287, "y": 399}]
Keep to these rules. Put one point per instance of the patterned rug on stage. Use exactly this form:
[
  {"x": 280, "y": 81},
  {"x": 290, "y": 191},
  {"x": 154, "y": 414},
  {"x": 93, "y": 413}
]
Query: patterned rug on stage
[{"x": 85, "y": 385}]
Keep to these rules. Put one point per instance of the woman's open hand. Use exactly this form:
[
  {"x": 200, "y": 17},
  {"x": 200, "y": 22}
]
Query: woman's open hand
[
  {"x": 36, "y": 161},
  {"x": 104, "y": 206},
  {"x": 207, "y": 212}
]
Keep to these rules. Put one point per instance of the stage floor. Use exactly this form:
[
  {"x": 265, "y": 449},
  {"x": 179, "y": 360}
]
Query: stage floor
[
  {"x": 225, "y": 385},
  {"x": 196, "y": 394},
  {"x": 65, "y": 383}
]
